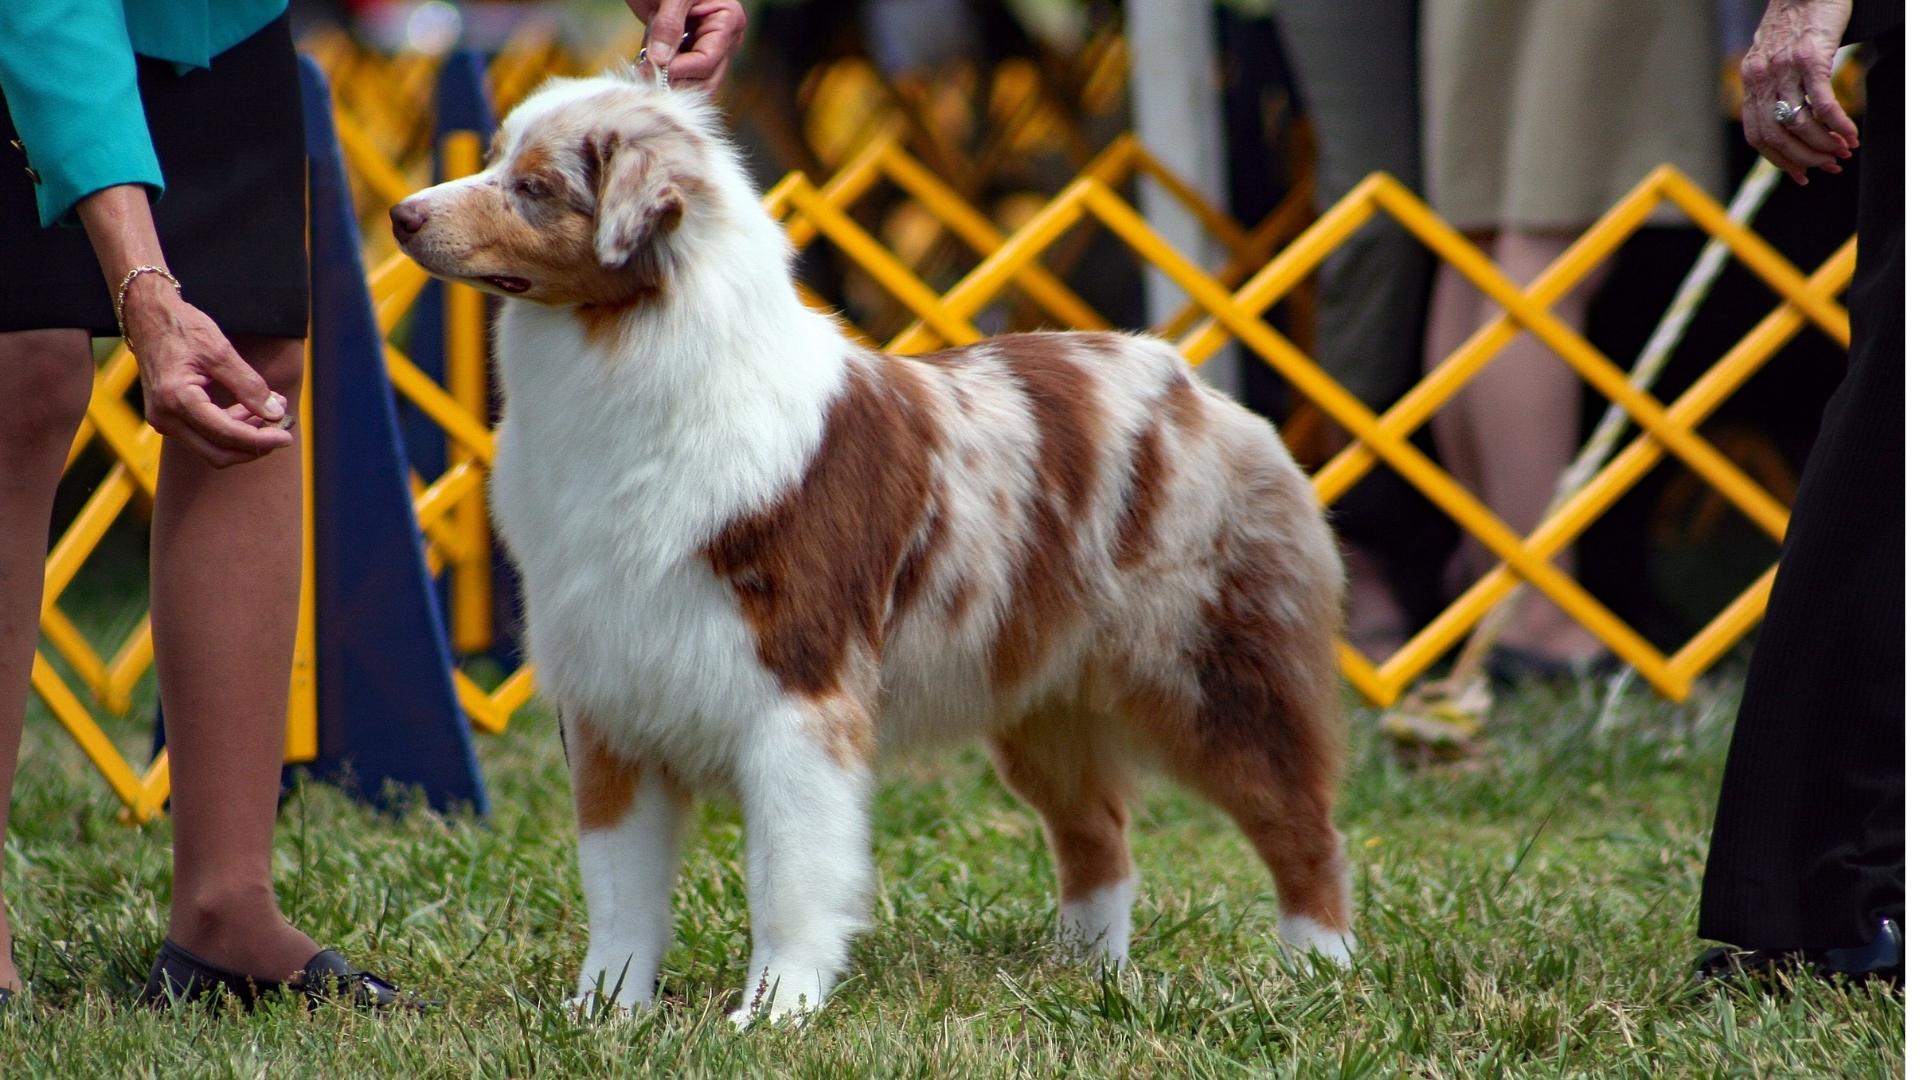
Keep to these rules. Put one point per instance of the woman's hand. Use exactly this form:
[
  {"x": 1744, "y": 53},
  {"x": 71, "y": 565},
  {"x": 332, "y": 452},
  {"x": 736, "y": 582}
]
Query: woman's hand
[
  {"x": 197, "y": 389},
  {"x": 187, "y": 366},
  {"x": 718, "y": 27},
  {"x": 1792, "y": 61}
]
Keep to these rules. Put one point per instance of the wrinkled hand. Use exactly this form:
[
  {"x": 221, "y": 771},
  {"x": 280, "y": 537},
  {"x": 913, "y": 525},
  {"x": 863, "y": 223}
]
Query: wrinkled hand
[
  {"x": 718, "y": 27},
  {"x": 1792, "y": 61},
  {"x": 185, "y": 362}
]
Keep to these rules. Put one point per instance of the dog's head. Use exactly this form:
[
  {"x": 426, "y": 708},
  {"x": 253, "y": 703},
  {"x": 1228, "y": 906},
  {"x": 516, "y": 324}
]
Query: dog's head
[{"x": 584, "y": 191}]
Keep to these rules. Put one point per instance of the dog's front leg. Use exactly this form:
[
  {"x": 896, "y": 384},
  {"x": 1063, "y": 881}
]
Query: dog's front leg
[
  {"x": 631, "y": 815},
  {"x": 804, "y": 794}
]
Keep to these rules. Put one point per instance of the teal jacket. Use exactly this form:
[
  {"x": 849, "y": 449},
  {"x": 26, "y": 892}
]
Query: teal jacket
[{"x": 67, "y": 70}]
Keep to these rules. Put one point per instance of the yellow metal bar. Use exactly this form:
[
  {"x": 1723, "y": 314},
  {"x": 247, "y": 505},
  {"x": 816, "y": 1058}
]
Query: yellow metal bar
[
  {"x": 1699, "y": 455},
  {"x": 113, "y": 379},
  {"x": 80, "y": 724},
  {"x": 516, "y": 691},
  {"x": 154, "y": 788},
  {"x": 1726, "y": 629},
  {"x": 127, "y": 667},
  {"x": 432, "y": 399},
  {"x": 879, "y": 262},
  {"x": 1759, "y": 256},
  {"x": 984, "y": 282},
  {"x": 979, "y": 233},
  {"x": 853, "y": 179},
  {"x": 368, "y": 162},
  {"x": 303, "y": 705},
  {"x": 72, "y": 645},
  {"x": 455, "y": 488},
  {"x": 480, "y": 708},
  {"x": 466, "y": 338},
  {"x": 83, "y": 534}
]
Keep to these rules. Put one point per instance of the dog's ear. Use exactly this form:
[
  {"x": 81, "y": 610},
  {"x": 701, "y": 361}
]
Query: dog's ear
[{"x": 637, "y": 202}]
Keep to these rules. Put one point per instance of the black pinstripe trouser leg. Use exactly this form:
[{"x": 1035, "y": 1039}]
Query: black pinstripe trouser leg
[{"x": 1809, "y": 845}]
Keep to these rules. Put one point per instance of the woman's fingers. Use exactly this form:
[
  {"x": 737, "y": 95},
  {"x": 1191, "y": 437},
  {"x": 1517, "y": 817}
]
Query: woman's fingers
[
  {"x": 209, "y": 427},
  {"x": 719, "y": 26},
  {"x": 244, "y": 383},
  {"x": 1825, "y": 110},
  {"x": 664, "y": 32}
]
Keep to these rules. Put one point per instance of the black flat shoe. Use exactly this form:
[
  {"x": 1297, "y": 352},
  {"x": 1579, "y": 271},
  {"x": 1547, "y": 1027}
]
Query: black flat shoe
[
  {"x": 1724, "y": 964},
  {"x": 1882, "y": 959},
  {"x": 179, "y": 975}
]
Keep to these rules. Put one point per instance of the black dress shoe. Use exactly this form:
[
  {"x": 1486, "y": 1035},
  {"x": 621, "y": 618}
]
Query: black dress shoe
[
  {"x": 179, "y": 975},
  {"x": 1880, "y": 960},
  {"x": 1883, "y": 959}
]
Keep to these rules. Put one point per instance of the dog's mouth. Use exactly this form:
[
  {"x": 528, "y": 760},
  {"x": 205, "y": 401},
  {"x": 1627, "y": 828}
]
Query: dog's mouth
[{"x": 507, "y": 283}]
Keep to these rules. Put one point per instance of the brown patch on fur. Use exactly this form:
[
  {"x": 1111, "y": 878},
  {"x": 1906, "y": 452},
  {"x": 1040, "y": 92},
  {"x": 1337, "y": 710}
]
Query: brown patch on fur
[
  {"x": 845, "y": 729},
  {"x": 1047, "y": 586},
  {"x": 1134, "y": 538},
  {"x": 917, "y": 567},
  {"x": 815, "y": 571},
  {"x": 1103, "y": 346},
  {"x": 1183, "y": 402},
  {"x": 960, "y": 601},
  {"x": 604, "y": 783}
]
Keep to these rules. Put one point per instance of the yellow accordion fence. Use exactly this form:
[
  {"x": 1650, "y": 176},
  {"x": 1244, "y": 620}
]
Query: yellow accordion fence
[{"x": 1265, "y": 266}]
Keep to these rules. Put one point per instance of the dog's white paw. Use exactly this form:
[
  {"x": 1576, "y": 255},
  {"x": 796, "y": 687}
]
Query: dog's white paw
[
  {"x": 1301, "y": 934},
  {"x": 783, "y": 998},
  {"x": 594, "y": 1006}
]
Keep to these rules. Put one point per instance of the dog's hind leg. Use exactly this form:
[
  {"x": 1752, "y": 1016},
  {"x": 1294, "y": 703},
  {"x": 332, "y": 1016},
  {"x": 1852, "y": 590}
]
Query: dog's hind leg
[
  {"x": 630, "y": 815},
  {"x": 804, "y": 784},
  {"x": 1256, "y": 729},
  {"x": 1066, "y": 767}
]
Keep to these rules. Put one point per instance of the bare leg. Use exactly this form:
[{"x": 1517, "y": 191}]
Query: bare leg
[
  {"x": 1453, "y": 316},
  {"x": 1525, "y": 423},
  {"x": 226, "y": 571},
  {"x": 46, "y": 377}
]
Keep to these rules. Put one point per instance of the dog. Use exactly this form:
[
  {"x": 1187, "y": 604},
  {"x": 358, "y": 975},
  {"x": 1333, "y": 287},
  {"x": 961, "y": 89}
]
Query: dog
[{"x": 758, "y": 557}]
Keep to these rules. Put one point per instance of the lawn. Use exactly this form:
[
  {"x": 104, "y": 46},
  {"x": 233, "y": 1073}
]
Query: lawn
[{"x": 1528, "y": 915}]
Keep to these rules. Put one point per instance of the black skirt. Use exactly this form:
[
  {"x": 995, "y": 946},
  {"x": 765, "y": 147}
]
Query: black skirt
[{"x": 233, "y": 220}]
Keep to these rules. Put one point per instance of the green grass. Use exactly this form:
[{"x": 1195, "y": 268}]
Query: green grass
[{"x": 1529, "y": 916}]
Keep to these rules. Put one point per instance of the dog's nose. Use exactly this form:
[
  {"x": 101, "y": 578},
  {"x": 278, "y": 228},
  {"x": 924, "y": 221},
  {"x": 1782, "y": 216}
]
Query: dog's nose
[{"x": 408, "y": 218}]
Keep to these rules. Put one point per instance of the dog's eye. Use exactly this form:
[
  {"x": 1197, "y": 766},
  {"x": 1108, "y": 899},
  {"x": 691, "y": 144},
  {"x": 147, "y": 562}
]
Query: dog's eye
[{"x": 531, "y": 187}]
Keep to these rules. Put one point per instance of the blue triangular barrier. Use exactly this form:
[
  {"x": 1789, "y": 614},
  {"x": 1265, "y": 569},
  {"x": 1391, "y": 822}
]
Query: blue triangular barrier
[
  {"x": 461, "y": 103},
  {"x": 388, "y": 711}
]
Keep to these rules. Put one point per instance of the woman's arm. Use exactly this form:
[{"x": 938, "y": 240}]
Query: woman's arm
[
  {"x": 67, "y": 70},
  {"x": 184, "y": 358},
  {"x": 719, "y": 26}
]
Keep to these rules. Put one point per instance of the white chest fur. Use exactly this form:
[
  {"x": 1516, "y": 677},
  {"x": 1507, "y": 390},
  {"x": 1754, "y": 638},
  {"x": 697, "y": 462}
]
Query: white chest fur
[{"x": 616, "y": 464}]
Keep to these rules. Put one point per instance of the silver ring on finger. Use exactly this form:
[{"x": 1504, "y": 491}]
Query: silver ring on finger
[{"x": 1784, "y": 113}]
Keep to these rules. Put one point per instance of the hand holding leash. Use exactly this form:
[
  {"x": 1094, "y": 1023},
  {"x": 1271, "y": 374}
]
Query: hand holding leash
[
  {"x": 691, "y": 41},
  {"x": 1789, "y": 111}
]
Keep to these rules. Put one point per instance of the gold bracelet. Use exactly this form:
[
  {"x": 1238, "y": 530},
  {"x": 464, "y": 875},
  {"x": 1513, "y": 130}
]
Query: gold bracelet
[{"x": 120, "y": 297}]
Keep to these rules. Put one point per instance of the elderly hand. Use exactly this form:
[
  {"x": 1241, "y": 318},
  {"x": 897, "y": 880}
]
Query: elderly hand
[
  {"x": 1792, "y": 61},
  {"x": 717, "y": 27},
  {"x": 185, "y": 361}
]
